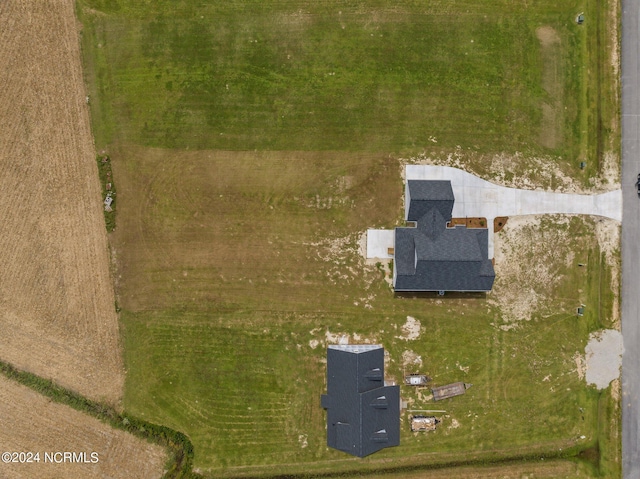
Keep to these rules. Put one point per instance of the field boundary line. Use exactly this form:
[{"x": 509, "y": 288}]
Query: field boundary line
[{"x": 176, "y": 443}]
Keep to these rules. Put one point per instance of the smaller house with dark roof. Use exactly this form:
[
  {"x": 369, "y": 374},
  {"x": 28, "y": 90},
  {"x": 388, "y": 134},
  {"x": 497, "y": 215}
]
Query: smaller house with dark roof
[
  {"x": 363, "y": 415},
  {"x": 432, "y": 256}
]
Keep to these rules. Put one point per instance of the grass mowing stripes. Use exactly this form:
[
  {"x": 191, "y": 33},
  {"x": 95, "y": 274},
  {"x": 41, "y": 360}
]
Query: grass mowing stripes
[
  {"x": 306, "y": 76},
  {"x": 240, "y": 368},
  {"x": 242, "y": 377},
  {"x": 252, "y": 399},
  {"x": 238, "y": 261}
]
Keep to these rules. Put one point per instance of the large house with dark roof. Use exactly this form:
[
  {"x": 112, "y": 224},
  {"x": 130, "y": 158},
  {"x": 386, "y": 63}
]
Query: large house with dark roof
[
  {"x": 363, "y": 415},
  {"x": 433, "y": 257}
]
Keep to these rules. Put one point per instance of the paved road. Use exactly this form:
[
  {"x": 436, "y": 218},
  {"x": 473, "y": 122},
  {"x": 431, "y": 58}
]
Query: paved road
[{"x": 630, "y": 241}]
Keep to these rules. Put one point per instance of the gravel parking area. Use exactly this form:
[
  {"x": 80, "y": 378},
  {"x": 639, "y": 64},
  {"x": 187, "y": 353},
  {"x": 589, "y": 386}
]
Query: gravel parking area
[{"x": 604, "y": 357}]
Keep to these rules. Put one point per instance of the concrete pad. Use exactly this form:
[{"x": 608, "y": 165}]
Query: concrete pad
[
  {"x": 379, "y": 242},
  {"x": 603, "y": 354},
  {"x": 475, "y": 197}
]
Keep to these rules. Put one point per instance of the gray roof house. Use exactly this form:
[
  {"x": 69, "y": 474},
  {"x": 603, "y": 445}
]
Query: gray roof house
[
  {"x": 433, "y": 257},
  {"x": 363, "y": 415}
]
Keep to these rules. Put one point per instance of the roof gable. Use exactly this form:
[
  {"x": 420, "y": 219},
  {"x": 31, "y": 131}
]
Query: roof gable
[
  {"x": 430, "y": 190},
  {"x": 359, "y": 406},
  {"x": 432, "y": 257},
  {"x": 424, "y": 195},
  {"x": 456, "y": 244}
]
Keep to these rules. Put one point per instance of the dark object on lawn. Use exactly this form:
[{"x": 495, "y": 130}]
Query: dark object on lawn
[
  {"x": 450, "y": 390},
  {"x": 580, "y": 19}
]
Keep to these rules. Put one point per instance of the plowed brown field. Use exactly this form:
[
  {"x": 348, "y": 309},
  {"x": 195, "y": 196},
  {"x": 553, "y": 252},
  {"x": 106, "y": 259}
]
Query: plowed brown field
[
  {"x": 57, "y": 313},
  {"x": 38, "y": 425}
]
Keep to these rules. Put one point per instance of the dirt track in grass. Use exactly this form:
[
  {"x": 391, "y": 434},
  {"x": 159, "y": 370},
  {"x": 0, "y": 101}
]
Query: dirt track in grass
[{"x": 57, "y": 312}]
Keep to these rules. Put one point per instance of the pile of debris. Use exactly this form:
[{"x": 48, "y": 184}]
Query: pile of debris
[
  {"x": 108, "y": 187},
  {"x": 107, "y": 202},
  {"x": 423, "y": 423},
  {"x": 416, "y": 380}
]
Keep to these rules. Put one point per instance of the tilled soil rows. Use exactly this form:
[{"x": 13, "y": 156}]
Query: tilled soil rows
[
  {"x": 57, "y": 313},
  {"x": 36, "y": 433}
]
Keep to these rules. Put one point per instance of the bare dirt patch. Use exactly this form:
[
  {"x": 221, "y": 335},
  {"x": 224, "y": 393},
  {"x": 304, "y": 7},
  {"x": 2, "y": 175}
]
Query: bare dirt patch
[
  {"x": 616, "y": 389},
  {"x": 56, "y": 297},
  {"x": 547, "y": 36},
  {"x": 609, "y": 169},
  {"x": 527, "y": 267},
  {"x": 499, "y": 222},
  {"x": 337, "y": 338},
  {"x": 31, "y": 422},
  {"x": 514, "y": 170},
  {"x": 410, "y": 329},
  {"x": 517, "y": 303},
  {"x": 581, "y": 366},
  {"x": 470, "y": 222},
  {"x": 411, "y": 359},
  {"x": 328, "y": 337}
]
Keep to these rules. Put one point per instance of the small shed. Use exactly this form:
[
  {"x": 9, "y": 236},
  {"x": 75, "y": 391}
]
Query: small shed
[
  {"x": 416, "y": 380},
  {"x": 449, "y": 391},
  {"x": 423, "y": 423}
]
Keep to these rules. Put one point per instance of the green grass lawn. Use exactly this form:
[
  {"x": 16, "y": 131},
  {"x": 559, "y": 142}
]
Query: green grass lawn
[
  {"x": 300, "y": 75},
  {"x": 245, "y": 386},
  {"x": 231, "y": 282},
  {"x": 253, "y": 142}
]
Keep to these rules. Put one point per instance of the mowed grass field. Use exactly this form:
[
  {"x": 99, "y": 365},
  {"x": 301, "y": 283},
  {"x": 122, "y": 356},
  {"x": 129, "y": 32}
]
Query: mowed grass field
[
  {"x": 489, "y": 75},
  {"x": 254, "y": 142},
  {"x": 233, "y": 284}
]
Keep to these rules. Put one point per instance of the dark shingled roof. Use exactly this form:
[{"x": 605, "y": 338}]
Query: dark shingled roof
[
  {"x": 430, "y": 190},
  {"x": 432, "y": 257},
  {"x": 363, "y": 415},
  {"x": 426, "y": 195}
]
